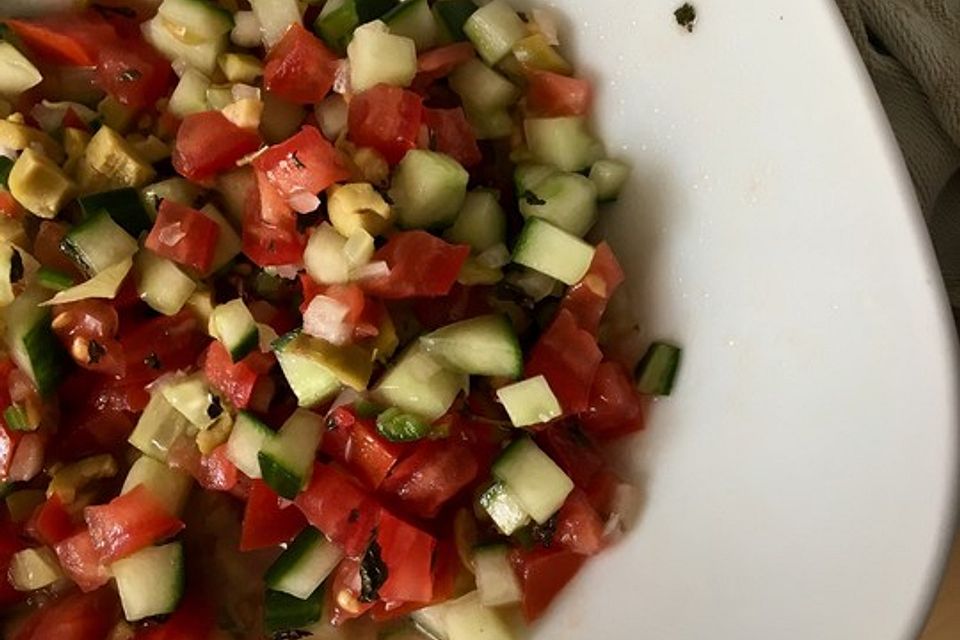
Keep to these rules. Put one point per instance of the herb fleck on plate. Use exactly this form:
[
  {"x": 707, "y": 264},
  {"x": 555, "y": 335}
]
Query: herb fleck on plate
[{"x": 686, "y": 16}]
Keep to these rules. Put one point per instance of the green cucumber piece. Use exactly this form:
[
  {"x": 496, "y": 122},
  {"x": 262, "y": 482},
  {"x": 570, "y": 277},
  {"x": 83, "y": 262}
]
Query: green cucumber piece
[
  {"x": 484, "y": 346},
  {"x": 151, "y": 581},
  {"x": 609, "y": 176},
  {"x": 158, "y": 428},
  {"x": 53, "y": 280},
  {"x": 539, "y": 485},
  {"x": 229, "y": 243},
  {"x": 493, "y": 29},
  {"x": 315, "y": 368},
  {"x": 286, "y": 460},
  {"x": 497, "y": 583},
  {"x": 562, "y": 142},
  {"x": 124, "y": 206},
  {"x": 191, "y": 397},
  {"x": 247, "y": 438},
  {"x": 467, "y": 619},
  {"x": 397, "y": 426},
  {"x": 161, "y": 283},
  {"x": 418, "y": 384},
  {"x": 170, "y": 486},
  {"x": 304, "y": 565},
  {"x": 201, "y": 55},
  {"x": 283, "y": 612},
  {"x": 377, "y": 56},
  {"x": 504, "y": 509},
  {"x": 527, "y": 176},
  {"x": 428, "y": 189},
  {"x": 414, "y": 20},
  {"x": 201, "y": 19},
  {"x": 190, "y": 94},
  {"x": 174, "y": 189},
  {"x": 657, "y": 370},
  {"x": 233, "y": 325},
  {"x": 529, "y": 402},
  {"x": 275, "y": 18},
  {"x": 339, "y": 18},
  {"x": 566, "y": 200},
  {"x": 452, "y": 15},
  {"x": 11, "y": 271},
  {"x": 33, "y": 346},
  {"x": 552, "y": 251},
  {"x": 98, "y": 243},
  {"x": 482, "y": 89},
  {"x": 481, "y": 222}
]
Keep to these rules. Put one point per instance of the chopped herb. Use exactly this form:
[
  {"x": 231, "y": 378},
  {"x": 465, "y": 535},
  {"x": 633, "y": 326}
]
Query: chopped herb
[
  {"x": 397, "y": 426},
  {"x": 331, "y": 423},
  {"x": 296, "y": 160},
  {"x": 686, "y": 16},
  {"x": 152, "y": 360},
  {"x": 532, "y": 199},
  {"x": 130, "y": 75},
  {"x": 354, "y": 516},
  {"x": 16, "y": 267},
  {"x": 215, "y": 408},
  {"x": 543, "y": 533},
  {"x": 95, "y": 351},
  {"x": 373, "y": 573}
]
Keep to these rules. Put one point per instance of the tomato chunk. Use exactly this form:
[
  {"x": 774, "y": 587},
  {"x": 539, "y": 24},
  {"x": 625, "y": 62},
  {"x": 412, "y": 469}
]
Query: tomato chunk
[
  {"x": 616, "y": 407},
  {"x": 386, "y": 118},
  {"x": 207, "y": 143},
  {"x": 270, "y": 235},
  {"x": 81, "y": 561},
  {"x": 568, "y": 357},
  {"x": 194, "y": 619},
  {"x": 408, "y": 553},
  {"x": 439, "y": 62},
  {"x": 433, "y": 474},
  {"x": 300, "y": 68},
  {"x": 421, "y": 265},
  {"x": 587, "y": 299},
  {"x": 305, "y": 162},
  {"x": 553, "y": 95},
  {"x": 579, "y": 527},
  {"x": 51, "y": 522},
  {"x": 133, "y": 72},
  {"x": 453, "y": 135},
  {"x": 268, "y": 520},
  {"x": 336, "y": 504},
  {"x": 543, "y": 574},
  {"x": 237, "y": 380},
  {"x": 183, "y": 235},
  {"x": 129, "y": 523},
  {"x": 77, "y": 616},
  {"x": 357, "y": 444},
  {"x": 65, "y": 39}
]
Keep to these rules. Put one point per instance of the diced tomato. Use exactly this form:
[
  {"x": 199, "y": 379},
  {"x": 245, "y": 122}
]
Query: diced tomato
[
  {"x": 568, "y": 357},
  {"x": 183, "y": 235},
  {"x": 552, "y": 95},
  {"x": 194, "y": 619},
  {"x": 46, "y": 249},
  {"x": 304, "y": 162},
  {"x": 27, "y": 459},
  {"x": 421, "y": 265},
  {"x": 346, "y": 581},
  {"x": 95, "y": 322},
  {"x": 543, "y": 573},
  {"x": 363, "y": 315},
  {"x": 10, "y": 543},
  {"x": 81, "y": 561},
  {"x": 8, "y": 445},
  {"x": 77, "y": 616},
  {"x": 336, "y": 504},
  {"x": 133, "y": 72},
  {"x": 9, "y": 207},
  {"x": 207, "y": 143},
  {"x": 408, "y": 553},
  {"x": 160, "y": 345},
  {"x": 65, "y": 39},
  {"x": 270, "y": 235},
  {"x": 433, "y": 474},
  {"x": 602, "y": 490},
  {"x": 237, "y": 380},
  {"x": 213, "y": 472},
  {"x": 453, "y": 135},
  {"x": 51, "y": 522},
  {"x": 587, "y": 299},
  {"x": 446, "y": 570},
  {"x": 387, "y": 119},
  {"x": 357, "y": 444},
  {"x": 299, "y": 68},
  {"x": 268, "y": 520},
  {"x": 129, "y": 523},
  {"x": 439, "y": 62},
  {"x": 91, "y": 430},
  {"x": 616, "y": 407},
  {"x": 573, "y": 451},
  {"x": 579, "y": 527}
]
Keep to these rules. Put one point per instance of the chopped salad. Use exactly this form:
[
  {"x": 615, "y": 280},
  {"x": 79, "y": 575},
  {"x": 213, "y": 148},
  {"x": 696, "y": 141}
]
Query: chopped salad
[{"x": 302, "y": 336}]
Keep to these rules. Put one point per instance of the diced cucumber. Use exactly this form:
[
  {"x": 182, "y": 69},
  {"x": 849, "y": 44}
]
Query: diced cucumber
[
  {"x": 527, "y": 176},
  {"x": 246, "y": 30},
  {"x": 246, "y": 439},
  {"x": 229, "y": 244},
  {"x": 17, "y": 73},
  {"x": 233, "y": 325},
  {"x": 123, "y": 205},
  {"x": 241, "y": 67},
  {"x": 609, "y": 176},
  {"x": 105, "y": 285},
  {"x": 552, "y": 251},
  {"x": 11, "y": 271},
  {"x": 190, "y": 94},
  {"x": 418, "y": 384},
  {"x": 151, "y": 581},
  {"x": 217, "y": 96},
  {"x": 191, "y": 397},
  {"x": 54, "y": 280},
  {"x": 32, "y": 569},
  {"x": 304, "y": 565},
  {"x": 504, "y": 508},
  {"x": 347, "y": 364},
  {"x": 484, "y": 346},
  {"x": 562, "y": 142},
  {"x": 339, "y": 18},
  {"x": 201, "y": 19},
  {"x": 497, "y": 583},
  {"x": 452, "y": 15},
  {"x": 481, "y": 222},
  {"x": 493, "y": 29},
  {"x": 529, "y": 402},
  {"x": 282, "y": 611},
  {"x": 566, "y": 200},
  {"x": 481, "y": 88},
  {"x": 414, "y": 20},
  {"x": 324, "y": 257},
  {"x": 98, "y": 243},
  {"x": 397, "y": 426},
  {"x": 657, "y": 369},
  {"x": 377, "y": 56},
  {"x": 538, "y": 484},
  {"x": 33, "y": 346},
  {"x": 535, "y": 52},
  {"x": 275, "y": 18},
  {"x": 170, "y": 486},
  {"x": 287, "y": 459},
  {"x": 311, "y": 382},
  {"x": 428, "y": 189},
  {"x": 201, "y": 55},
  {"x": 161, "y": 283},
  {"x": 158, "y": 428},
  {"x": 489, "y": 125},
  {"x": 173, "y": 189},
  {"x": 467, "y": 619}
]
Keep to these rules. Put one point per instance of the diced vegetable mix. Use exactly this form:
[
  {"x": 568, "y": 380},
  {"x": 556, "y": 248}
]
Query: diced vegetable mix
[{"x": 302, "y": 300}]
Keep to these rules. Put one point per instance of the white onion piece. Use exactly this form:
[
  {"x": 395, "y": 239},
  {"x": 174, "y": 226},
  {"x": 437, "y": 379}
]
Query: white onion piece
[
  {"x": 27, "y": 459},
  {"x": 304, "y": 202},
  {"x": 547, "y": 25},
  {"x": 325, "y": 318},
  {"x": 346, "y": 397},
  {"x": 341, "y": 78},
  {"x": 495, "y": 257},
  {"x": 331, "y": 113},
  {"x": 378, "y": 269},
  {"x": 246, "y": 29},
  {"x": 285, "y": 271},
  {"x": 242, "y": 91},
  {"x": 49, "y": 118}
]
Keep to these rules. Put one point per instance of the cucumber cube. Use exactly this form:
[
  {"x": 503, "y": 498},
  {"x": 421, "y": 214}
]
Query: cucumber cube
[
  {"x": 538, "y": 484},
  {"x": 552, "y": 251},
  {"x": 529, "y": 402}
]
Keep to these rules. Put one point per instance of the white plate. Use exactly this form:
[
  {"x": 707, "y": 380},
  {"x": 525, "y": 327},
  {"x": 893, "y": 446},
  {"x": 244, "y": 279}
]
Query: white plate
[{"x": 801, "y": 481}]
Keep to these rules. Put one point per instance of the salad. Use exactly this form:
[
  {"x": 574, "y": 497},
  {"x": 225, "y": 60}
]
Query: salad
[{"x": 302, "y": 336}]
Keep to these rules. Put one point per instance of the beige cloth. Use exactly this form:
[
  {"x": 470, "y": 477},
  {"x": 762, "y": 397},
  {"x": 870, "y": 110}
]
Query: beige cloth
[{"x": 912, "y": 50}]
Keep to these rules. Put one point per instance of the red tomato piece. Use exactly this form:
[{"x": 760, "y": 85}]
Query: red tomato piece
[
  {"x": 299, "y": 68},
  {"x": 441, "y": 61},
  {"x": 387, "y": 119},
  {"x": 304, "y": 162},
  {"x": 133, "y": 72},
  {"x": 336, "y": 504},
  {"x": 9, "y": 207},
  {"x": 10, "y": 543},
  {"x": 587, "y": 299},
  {"x": 92, "y": 430},
  {"x": 268, "y": 520},
  {"x": 357, "y": 444},
  {"x": 552, "y": 95},
  {"x": 129, "y": 523},
  {"x": 346, "y": 580},
  {"x": 160, "y": 345},
  {"x": 543, "y": 574},
  {"x": 213, "y": 472},
  {"x": 573, "y": 451},
  {"x": 408, "y": 553},
  {"x": 27, "y": 459},
  {"x": 568, "y": 357},
  {"x": 65, "y": 39},
  {"x": 78, "y": 616},
  {"x": 579, "y": 527},
  {"x": 51, "y": 522},
  {"x": 616, "y": 407},
  {"x": 432, "y": 475},
  {"x": 421, "y": 265},
  {"x": 8, "y": 445},
  {"x": 207, "y": 143},
  {"x": 602, "y": 490},
  {"x": 183, "y": 235},
  {"x": 46, "y": 249},
  {"x": 270, "y": 235},
  {"x": 81, "y": 561},
  {"x": 237, "y": 380},
  {"x": 193, "y": 620},
  {"x": 453, "y": 135}
]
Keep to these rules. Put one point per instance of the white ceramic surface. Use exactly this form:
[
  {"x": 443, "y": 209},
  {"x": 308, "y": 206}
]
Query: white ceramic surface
[{"x": 801, "y": 481}]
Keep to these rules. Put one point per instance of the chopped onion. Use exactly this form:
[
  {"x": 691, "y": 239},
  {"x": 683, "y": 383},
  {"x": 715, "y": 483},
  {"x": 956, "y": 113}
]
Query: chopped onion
[
  {"x": 304, "y": 202},
  {"x": 242, "y": 91},
  {"x": 8, "y": 152},
  {"x": 535, "y": 284},
  {"x": 495, "y": 257},
  {"x": 267, "y": 336},
  {"x": 378, "y": 269},
  {"x": 347, "y": 396},
  {"x": 285, "y": 271},
  {"x": 358, "y": 248},
  {"x": 331, "y": 113},
  {"x": 546, "y": 25},
  {"x": 246, "y": 29},
  {"x": 324, "y": 318},
  {"x": 27, "y": 459},
  {"x": 341, "y": 78},
  {"x": 625, "y": 507}
]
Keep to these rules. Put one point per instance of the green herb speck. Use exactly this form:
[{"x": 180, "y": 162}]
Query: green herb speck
[{"x": 686, "y": 16}]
